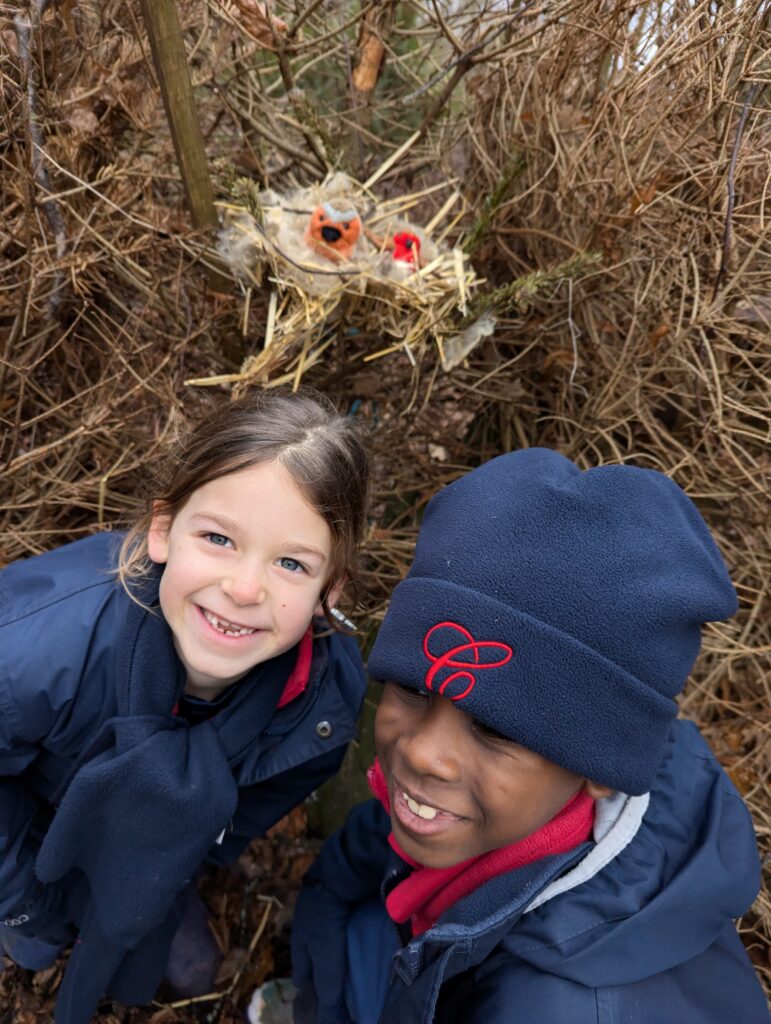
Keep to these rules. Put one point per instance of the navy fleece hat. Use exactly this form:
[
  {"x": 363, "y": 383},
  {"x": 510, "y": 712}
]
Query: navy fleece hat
[{"x": 561, "y": 607}]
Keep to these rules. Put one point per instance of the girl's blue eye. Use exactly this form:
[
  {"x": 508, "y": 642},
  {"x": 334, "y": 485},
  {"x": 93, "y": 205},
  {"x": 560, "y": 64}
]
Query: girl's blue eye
[
  {"x": 291, "y": 564},
  {"x": 218, "y": 539}
]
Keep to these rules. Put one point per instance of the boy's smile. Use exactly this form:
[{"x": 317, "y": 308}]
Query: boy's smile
[
  {"x": 246, "y": 562},
  {"x": 418, "y": 816},
  {"x": 458, "y": 789}
]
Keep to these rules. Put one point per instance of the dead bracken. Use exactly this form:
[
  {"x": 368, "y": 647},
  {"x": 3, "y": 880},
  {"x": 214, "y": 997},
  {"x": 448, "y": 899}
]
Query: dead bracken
[{"x": 601, "y": 173}]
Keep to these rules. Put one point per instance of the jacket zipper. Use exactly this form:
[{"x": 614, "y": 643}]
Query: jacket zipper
[{"x": 403, "y": 931}]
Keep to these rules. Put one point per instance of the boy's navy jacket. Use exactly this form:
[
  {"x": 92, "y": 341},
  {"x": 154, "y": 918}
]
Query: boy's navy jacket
[
  {"x": 90, "y": 748},
  {"x": 635, "y": 929}
]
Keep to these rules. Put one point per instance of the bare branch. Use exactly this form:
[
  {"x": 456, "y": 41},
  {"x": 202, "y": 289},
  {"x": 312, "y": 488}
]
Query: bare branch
[
  {"x": 748, "y": 102},
  {"x": 25, "y": 29}
]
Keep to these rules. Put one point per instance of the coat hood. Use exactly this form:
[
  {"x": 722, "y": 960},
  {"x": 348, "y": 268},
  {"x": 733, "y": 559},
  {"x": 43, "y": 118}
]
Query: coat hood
[{"x": 665, "y": 897}]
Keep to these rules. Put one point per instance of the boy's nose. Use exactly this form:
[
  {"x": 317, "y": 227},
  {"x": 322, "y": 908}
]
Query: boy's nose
[
  {"x": 245, "y": 586},
  {"x": 434, "y": 745}
]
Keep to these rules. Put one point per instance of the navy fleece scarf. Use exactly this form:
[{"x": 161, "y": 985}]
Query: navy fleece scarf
[{"x": 148, "y": 799}]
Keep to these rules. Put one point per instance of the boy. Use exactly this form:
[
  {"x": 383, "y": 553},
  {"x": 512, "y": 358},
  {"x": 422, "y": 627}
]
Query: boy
[{"x": 548, "y": 843}]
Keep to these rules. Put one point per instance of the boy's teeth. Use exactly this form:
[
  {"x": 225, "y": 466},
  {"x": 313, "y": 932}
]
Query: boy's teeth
[
  {"x": 228, "y": 628},
  {"x": 422, "y": 810}
]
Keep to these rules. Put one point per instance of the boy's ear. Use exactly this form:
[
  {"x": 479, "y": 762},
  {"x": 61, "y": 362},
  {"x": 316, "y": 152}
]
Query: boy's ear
[
  {"x": 597, "y": 791},
  {"x": 158, "y": 534},
  {"x": 333, "y": 596}
]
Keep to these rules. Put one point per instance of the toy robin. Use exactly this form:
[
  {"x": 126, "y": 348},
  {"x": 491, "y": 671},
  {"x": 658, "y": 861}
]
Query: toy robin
[{"x": 333, "y": 233}]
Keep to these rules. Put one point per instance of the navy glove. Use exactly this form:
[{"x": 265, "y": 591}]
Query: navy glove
[{"x": 319, "y": 958}]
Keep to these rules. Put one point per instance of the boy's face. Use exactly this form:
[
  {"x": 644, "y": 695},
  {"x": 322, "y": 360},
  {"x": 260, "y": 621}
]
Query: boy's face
[{"x": 457, "y": 789}]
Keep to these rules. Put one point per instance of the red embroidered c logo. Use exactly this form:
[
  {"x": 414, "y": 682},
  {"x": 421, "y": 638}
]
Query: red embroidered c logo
[{"x": 465, "y": 669}]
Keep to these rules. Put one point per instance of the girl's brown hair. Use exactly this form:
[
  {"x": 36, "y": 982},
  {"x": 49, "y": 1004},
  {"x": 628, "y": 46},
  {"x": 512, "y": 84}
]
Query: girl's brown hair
[{"x": 321, "y": 450}]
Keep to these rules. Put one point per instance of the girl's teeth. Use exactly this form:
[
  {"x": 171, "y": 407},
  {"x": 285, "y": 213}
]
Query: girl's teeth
[
  {"x": 223, "y": 626},
  {"x": 422, "y": 810}
]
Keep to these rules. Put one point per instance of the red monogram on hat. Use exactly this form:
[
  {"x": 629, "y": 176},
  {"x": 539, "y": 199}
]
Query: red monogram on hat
[{"x": 466, "y": 668}]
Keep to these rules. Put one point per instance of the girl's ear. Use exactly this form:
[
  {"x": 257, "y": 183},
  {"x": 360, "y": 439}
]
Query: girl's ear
[
  {"x": 158, "y": 534},
  {"x": 333, "y": 596},
  {"x": 597, "y": 791}
]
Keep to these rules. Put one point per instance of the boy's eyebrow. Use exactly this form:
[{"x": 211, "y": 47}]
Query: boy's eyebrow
[{"x": 231, "y": 526}]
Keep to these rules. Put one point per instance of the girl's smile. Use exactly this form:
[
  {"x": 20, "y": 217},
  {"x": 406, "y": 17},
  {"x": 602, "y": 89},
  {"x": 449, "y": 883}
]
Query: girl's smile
[
  {"x": 246, "y": 563},
  {"x": 225, "y": 628}
]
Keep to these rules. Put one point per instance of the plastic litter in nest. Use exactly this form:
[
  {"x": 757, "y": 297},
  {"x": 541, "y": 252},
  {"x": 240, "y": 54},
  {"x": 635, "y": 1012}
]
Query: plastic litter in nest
[{"x": 338, "y": 262}]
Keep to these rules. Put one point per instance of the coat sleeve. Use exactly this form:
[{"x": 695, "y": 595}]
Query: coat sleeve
[
  {"x": 18, "y": 885},
  {"x": 25, "y": 904},
  {"x": 30, "y": 711},
  {"x": 51, "y": 608}
]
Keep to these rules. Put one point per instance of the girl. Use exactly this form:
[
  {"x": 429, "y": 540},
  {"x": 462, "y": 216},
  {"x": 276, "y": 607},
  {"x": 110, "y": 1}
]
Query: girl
[{"x": 164, "y": 696}]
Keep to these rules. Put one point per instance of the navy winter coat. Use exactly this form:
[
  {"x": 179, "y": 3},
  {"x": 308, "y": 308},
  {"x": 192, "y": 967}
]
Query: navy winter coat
[
  {"x": 63, "y": 631},
  {"x": 636, "y": 928}
]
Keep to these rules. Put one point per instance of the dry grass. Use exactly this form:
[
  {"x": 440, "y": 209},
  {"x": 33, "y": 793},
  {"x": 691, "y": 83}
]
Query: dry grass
[{"x": 632, "y": 140}]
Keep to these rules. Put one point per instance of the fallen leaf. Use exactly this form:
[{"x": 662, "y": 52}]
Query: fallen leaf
[
  {"x": 9, "y": 42},
  {"x": 165, "y": 1016},
  {"x": 642, "y": 196},
  {"x": 743, "y": 778},
  {"x": 300, "y": 865},
  {"x": 755, "y": 309},
  {"x": 258, "y": 22},
  {"x": 733, "y": 738},
  {"x": 231, "y": 965},
  {"x": 46, "y": 981},
  {"x": 82, "y": 120},
  {"x": 656, "y": 336},
  {"x": 292, "y": 825},
  {"x": 563, "y": 358}
]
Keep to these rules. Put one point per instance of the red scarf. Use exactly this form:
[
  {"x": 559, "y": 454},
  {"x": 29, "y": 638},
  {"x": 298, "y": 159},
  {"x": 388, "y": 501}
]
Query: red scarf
[
  {"x": 427, "y": 893},
  {"x": 300, "y": 674}
]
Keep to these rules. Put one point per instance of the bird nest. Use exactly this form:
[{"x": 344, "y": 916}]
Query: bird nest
[{"x": 340, "y": 264}]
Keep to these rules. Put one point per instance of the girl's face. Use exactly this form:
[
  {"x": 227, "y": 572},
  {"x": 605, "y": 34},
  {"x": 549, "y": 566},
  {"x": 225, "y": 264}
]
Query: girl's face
[
  {"x": 458, "y": 790},
  {"x": 246, "y": 561}
]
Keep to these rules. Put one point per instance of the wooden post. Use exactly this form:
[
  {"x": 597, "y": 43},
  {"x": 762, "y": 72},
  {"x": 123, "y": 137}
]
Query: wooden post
[{"x": 168, "y": 48}]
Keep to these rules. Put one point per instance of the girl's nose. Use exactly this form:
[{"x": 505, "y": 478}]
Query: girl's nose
[
  {"x": 434, "y": 744},
  {"x": 245, "y": 586}
]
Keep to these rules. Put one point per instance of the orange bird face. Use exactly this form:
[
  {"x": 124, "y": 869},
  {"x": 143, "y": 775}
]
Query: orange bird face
[{"x": 333, "y": 233}]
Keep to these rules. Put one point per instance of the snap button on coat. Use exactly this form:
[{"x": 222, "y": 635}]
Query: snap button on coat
[{"x": 324, "y": 729}]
